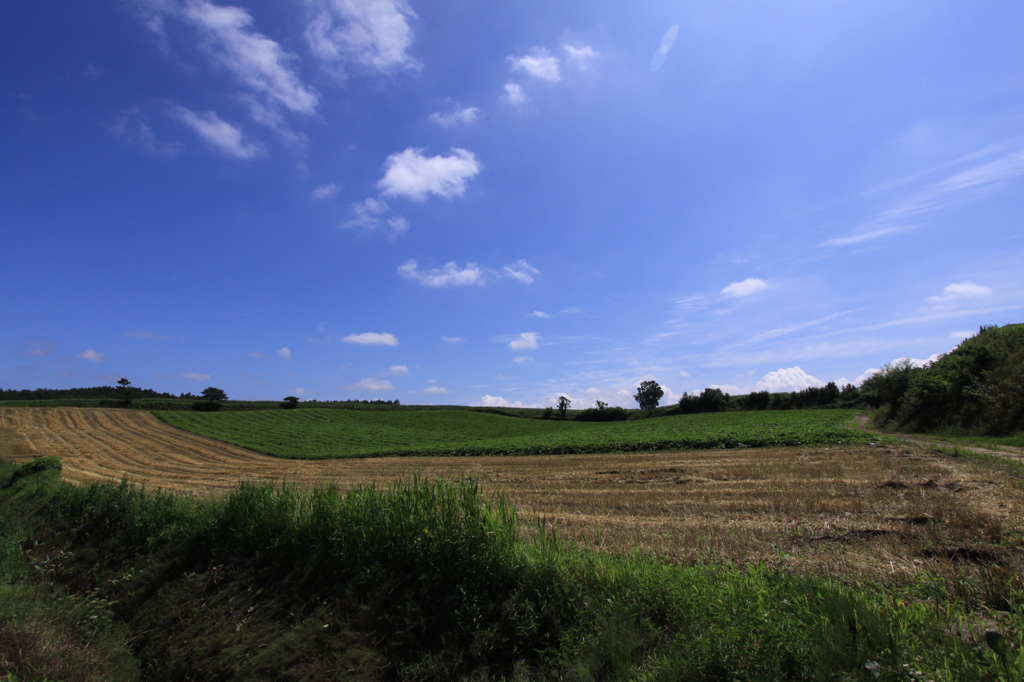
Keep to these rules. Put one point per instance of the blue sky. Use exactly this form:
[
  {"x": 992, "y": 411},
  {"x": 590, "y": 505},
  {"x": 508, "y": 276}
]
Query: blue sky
[{"x": 497, "y": 203}]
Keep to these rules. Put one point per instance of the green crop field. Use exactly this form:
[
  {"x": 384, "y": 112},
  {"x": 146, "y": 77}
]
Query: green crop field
[{"x": 322, "y": 434}]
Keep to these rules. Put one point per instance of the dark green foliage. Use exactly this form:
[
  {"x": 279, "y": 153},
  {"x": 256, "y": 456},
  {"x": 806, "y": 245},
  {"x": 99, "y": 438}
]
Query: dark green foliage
[
  {"x": 34, "y": 467},
  {"x": 976, "y": 388},
  {"x": 563, "y": 404},
  {"x": 214, "y": 394},
  {"x": 124, "y": 387},
  {"x": 290, "y": 403},
  {"x": 608, "y": 414},
  {"x": 95, "y": 393},
  {"x": 206, "y": 406},
  {"x": 648, "y": 395},
  {"x": 709, "y": 400}
]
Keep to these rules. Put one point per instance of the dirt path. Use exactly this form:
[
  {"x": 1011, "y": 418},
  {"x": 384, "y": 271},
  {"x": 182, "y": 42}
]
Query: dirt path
[{"x": 921, "y": 440}]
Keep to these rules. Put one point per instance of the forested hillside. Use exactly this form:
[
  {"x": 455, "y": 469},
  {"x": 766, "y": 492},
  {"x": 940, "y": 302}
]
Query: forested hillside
[{"x": 977, "y": 388}]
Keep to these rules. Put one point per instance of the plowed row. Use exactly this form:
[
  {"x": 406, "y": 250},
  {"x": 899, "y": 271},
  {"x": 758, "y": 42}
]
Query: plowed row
[{"x": 851, "y": 508}]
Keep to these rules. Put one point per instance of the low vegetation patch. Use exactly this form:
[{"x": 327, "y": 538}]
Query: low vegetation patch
[
  {"x": 321, "y": 434},
  {"x": 432, "y": 580}
]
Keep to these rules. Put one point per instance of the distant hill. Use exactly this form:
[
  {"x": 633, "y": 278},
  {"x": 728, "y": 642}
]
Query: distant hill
[{"x": 977, "y": 388}]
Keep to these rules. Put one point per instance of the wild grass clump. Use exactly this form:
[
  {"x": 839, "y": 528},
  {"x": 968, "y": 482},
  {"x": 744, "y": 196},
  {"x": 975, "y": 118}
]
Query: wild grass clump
[{"x": 438, "y": 579}]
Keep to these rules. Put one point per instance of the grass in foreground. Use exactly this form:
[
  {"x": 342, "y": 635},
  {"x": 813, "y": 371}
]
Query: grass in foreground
[
  {"x": 323, "y": 434},
  {"x": 432, "y": 581}
]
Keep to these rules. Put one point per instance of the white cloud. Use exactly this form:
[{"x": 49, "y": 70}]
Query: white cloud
[
  {"x": 398, "y": 370},
  {"x": 685, "y": 374},
  {"x": 514, "y": 94},
  {"x": 458, "y": 116},
  {"x": 541, "y": 64},
  {"x": 497, "y": 401},
  {"x": 374, "y": 34},
  {"x": 40, "y": 349},
  {"x": 371, "y": 339},
  {"x": 747, "y": 287},
  {"x": 522, "y": 271},
  {"x": 961, "y": 335},
  {"x": 415, "y": 176},
  {"x": 449, "y": 275},
  {"x": 373, "y": 384},
  {"x": 785, "y": 380},
  {"x": 285, "y": 353},
  {"x": 132, "y": 129},
  {"x": 962, "y": 290},
  {"x": 523, "y": 360},
  {"x": 865, "y": 236},
  {"x": 526, "y": 340},
  {"x": 436, "y": 390},
  {"x": 539, "y": 313},
  {"x": 219, "y": 134},
  {"x": 471, "y": 275},
  {"x": 580, "y": 55},
  {"x": 326, "y": 191},
  {"x": 300, "y": 391},
  {"x": 256, "y": 354},
  {"x": 372, "y": 215},
  {"x": 452, "y": 339},
  {"x": 91, "y": 355},
  {"x": 194, "y": 376}
]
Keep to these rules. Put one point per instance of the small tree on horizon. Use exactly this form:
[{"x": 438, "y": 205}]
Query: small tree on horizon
[
  {"x": 214, "y": 395},
  {"x": 124, "y": 387},
  {"x": 290, "y": 403},
  {"x": 563, "y": 405},
  {"x": 648, "y": 395}
]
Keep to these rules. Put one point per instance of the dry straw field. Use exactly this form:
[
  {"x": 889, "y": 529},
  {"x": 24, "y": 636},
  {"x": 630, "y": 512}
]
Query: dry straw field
[{"x": 876, "y": 511}]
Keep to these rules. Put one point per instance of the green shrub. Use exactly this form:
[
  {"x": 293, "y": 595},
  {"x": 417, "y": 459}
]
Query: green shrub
[
  {"x": 206, "y": 406},
  {"x": 609, "y": 414},
  {"x": 35, "y": 466}
]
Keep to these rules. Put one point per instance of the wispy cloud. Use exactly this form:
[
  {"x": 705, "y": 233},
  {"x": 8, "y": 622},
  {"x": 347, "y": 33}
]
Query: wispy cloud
[
  {"x": 373, "y": 384},
  {"x": 470, "y": 275},
  {"x": 412, "y": 175},
  {"x": 452, "y": 339},
  {"x": 374, "y": 35},
  {"x": 976, "y": 181},
  {"x": 194, "y": 376},
  {"x": 373, "y": 215},
  {"x": 219, "y": 134},
  {"x": 372, "y": 339},
  {"x": 40, "y": 349},
  {"x": 285, "y": 353},
  {"x": 131, "y": 128},
  {"x": 436, "y": 390},
  {"x": 539, "y": 313},
  {"x": 327, "y": 191},
  {"x": 514, "y": 94},
  {"x": 747, "y": 287},
  {"x": 398, "y": 370}
]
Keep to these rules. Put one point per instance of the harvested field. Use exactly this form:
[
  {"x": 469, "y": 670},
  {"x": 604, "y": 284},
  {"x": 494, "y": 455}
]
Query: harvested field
[{"x": 841, "y": 510}]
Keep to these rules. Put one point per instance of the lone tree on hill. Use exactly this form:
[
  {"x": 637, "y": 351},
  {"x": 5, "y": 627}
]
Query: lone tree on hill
[
  {"x": 648, "y": 395},
  {"x": 124, "y": 387},
  {"x": 290, "y": 403},
  {"x": 563, "y": 405},
  {"x": 214, "y": 395}
]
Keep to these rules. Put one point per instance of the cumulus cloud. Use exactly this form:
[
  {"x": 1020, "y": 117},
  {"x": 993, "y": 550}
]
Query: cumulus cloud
[
  {"x": 514, "y": 94},
  {"x": 373, "y": 214},
  {"x": 219, "y": 134},
  {"x": 452, "y": 339},
  {"x": 91, "y": 355},
  {"x": 194, "y": 376},
  {"x": 747, "y": 287},
  {"x": 372, "y": 339},
  {"x": 398, "y": 370},
  {"x": 412, "y": 175},
  {"x": 471, "y": 275},
  {"x": 373, "y": 384},
  {"x": 285, "y": 353},
  {"x": 436, "y": 390},
  {"x": 525, "y": 340},
  {"x": 326, "y": 191},
  {"x": 458, "y": 116},
  {"x": 497, "y": 401},
  {"x": 540, "y": 64},
  {"x": 958, "y": 292},
  {"x": 373, "y": 34},
  {"x": 580, "y": 55},
  {"x": 449, "y": 275},
  {"x": 785, "y": 380}
]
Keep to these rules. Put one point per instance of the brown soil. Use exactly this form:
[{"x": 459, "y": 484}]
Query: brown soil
[{"x": 874, "y": 510}]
